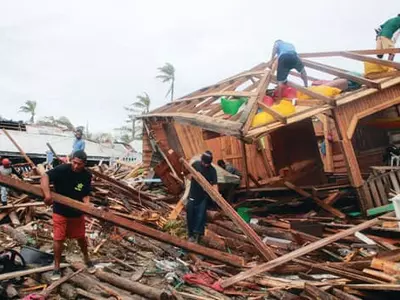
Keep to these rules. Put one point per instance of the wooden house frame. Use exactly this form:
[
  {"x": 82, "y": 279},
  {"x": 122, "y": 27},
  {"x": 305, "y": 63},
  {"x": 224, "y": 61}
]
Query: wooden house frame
[{"x": 199, "y": 115}]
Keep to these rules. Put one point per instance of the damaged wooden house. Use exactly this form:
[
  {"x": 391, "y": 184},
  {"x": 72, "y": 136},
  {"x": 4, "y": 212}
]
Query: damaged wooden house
[{"x": 330, "y": 133}]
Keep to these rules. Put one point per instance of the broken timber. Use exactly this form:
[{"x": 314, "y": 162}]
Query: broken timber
[
  {"x": 320, "y": 203},
  {"x": 125, "y": 223},
  {"x": 230, "y": 212},
  {"x": 299, "y": 252}
]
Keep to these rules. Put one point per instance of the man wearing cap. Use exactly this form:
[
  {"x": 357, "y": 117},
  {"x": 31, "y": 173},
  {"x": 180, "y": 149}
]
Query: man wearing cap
[
  {"x": 6, "y": 169},
  {"x": 196, "y": 208},
  {"x": 74, "y": 181}
]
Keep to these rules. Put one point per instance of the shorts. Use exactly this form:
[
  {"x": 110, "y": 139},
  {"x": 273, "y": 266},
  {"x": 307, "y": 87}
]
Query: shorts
[
  {"x": 72, "y": 228},
  {"x": 287, "y": 62},
  {"x": 383, "y": 42}
]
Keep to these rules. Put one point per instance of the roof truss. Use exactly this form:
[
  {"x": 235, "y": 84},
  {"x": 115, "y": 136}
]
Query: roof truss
[{"x": 202, "y": 107}]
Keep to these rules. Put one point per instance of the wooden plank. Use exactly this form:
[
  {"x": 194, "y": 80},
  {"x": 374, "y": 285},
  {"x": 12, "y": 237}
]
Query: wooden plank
[
  {"x": 328, "y": 146},
  {"x": 312, "y": 102},
  {"x": 124, "y": 223},
  {"x": 30, "y": 162},
  {"x": 375, "y": 287},
  {"x": 272, "y": 112},
  {"x": 340, "y": 73},
  {"x": 381, "y": 190},
  {"x": 299, "y": 252},
  {"x": 373, "y": 60},
  {"x": 308, "y": 92},
  {"x": 219, "y": 94},
  {"x": 343, "y": 295},
  {"x": 320, "y": 203},
  {"x": 245, "y": 166},
  {"x": 251, "y": 108},
  {"x": 338, "y": 53},
  {"x": 375, "y": 195},
  {"x": 266, "y": 251},
  {"x": 395, "y": 182},
  {"x": 317, "y": 293},
  {"x": 22, "y": 273}
]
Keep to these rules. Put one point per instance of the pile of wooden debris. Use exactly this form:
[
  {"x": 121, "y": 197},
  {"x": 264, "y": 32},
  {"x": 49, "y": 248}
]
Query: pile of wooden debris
[{"x": 137, "y": 238}]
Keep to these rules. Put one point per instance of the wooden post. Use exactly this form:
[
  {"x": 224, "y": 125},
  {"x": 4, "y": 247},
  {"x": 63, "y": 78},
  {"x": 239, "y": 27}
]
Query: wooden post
[
  {"x": 353, "y": 168},
  {"x": 266, "y": 251},
  {"x": 123, "y": 222},
  {"x": 328, "y": 146},
  {"x": 245, "y": 168}
]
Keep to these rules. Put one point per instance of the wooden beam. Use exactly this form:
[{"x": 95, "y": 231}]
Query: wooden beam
[
  {"x": 308, "y": 92},
  {"x": 319, "y": 202},
  {"x": 29, "y": 161},
  {"x": 317, "y": 293},
  {"x": 251, "y": 108},
  {"x": 373, "y": 60},
  {"x": 347, "y": 149},
  {"x": 328, "y": 146},
  {"x": 272, "y": 112},
  {"x": 338, "y": 53},
  {"x": 340, "y": 73},
  {"x": 299, "y": 252},
  {"x": 123, "y": 222},
  {"x": 22, "y": 273},
  {"x": 266, "y": 251},
  {"x": 375, "y": 287},
  {"x": 206, "y": 122},
  {"x": 313, "y": 102},
  {"x": 370, "y": 111},
  {"x": 219, "y": 94}
]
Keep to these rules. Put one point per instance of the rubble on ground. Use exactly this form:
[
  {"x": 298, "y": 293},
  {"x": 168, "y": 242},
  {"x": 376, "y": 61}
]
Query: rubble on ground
[{"x": 315, "y": 254}]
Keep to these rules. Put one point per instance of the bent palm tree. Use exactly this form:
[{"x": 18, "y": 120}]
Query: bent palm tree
[
  {"x": 167, "y": 74},
  {"x": 29, "y": 108},
  {"x": 143, "y": 103}
]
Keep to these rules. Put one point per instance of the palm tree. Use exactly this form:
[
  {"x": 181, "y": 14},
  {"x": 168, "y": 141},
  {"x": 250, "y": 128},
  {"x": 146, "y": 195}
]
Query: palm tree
[
  {"x": 29, "y": 108},
  {"x": 143, "y": 103},
  {"x": 167, "y": 74}
]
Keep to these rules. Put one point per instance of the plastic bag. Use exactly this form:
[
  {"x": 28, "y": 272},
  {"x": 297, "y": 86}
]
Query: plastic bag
[
  {"x": 321, "y": 89},
  {"x": 285, "y": 108},
  {"x": 287, "y": 92}
]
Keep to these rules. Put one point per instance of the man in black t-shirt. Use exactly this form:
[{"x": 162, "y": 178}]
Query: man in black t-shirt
[
  {"x": 73, "y": 181},
  {"x": 196, "y": 208}
]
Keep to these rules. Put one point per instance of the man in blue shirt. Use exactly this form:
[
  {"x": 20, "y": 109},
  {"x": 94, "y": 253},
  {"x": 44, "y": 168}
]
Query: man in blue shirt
[
  {"x": 287, "y": 60},
  {"x": 79, "y": 143}
]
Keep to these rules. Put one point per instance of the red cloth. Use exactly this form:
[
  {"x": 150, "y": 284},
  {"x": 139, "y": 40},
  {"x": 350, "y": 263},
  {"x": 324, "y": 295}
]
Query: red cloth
[
  {"x": 267, "y": 100},
  {"x": 203, "y": 278},
  {"x": 287, "y": 92},
  {"x": 73, "y": 228}
]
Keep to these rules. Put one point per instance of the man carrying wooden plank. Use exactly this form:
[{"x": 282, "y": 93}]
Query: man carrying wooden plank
[
  {"x": 74, "y": 181},
  {"x": 7, "y": 169},
  {"x": 386, "y": 37},
  {"x": 287, "y": 60},
  {"x": 196, "y": 208}
]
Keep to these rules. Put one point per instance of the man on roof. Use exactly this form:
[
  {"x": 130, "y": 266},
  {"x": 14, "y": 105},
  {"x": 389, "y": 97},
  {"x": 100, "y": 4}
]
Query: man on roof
[
  {"x": 387, "y": 36},
  {"x": 288, "y": 59}
]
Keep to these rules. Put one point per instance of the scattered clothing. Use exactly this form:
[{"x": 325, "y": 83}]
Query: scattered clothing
[{"x": 75, "y": 185}]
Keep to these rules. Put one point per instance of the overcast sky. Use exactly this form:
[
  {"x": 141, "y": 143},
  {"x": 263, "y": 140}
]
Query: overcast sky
[{"x": 88, "y": 59}]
